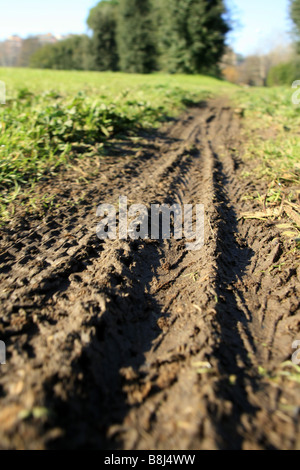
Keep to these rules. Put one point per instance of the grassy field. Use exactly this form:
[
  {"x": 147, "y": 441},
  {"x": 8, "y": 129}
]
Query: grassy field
[
  {"x": 271, "y": 129},
  {"x": 275, "y": 121},
  {"x": 53, "y": 118},
  {"x": 108, "y": 86}
]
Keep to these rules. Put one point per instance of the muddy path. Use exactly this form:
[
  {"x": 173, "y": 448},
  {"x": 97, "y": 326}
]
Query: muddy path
[{"x": 143, "y": 344}]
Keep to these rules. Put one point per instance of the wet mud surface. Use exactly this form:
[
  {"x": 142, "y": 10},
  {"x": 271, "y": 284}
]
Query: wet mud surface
[{"x": 142, "y": 344}]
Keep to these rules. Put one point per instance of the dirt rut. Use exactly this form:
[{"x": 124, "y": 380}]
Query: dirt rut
[{"x": 143, "y": 344}]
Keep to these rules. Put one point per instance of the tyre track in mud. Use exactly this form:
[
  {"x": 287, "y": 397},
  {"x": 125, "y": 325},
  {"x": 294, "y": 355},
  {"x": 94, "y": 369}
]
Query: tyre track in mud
[{"x": 142, "y": 344}]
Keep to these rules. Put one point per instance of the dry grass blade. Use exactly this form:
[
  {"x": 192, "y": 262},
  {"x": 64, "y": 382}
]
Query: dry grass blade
[
  {"x": 294, "y": 215},
  {"x": 261, "y": 215}
]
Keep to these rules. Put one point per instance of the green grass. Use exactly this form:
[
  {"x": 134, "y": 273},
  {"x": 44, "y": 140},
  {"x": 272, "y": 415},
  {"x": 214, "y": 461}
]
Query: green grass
[
  {"x": 272, "y": 129},
  {"x": 110, "y": 86},
  {"x": 287, "y": 371},
  {"x": 52, "y": 118},
  {"x": 273, "y": 124}
]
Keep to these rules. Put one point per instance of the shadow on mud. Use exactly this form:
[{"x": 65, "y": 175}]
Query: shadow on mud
[
  {"x": 232, "y": 315},
  {"x": 122, "y": 334}
]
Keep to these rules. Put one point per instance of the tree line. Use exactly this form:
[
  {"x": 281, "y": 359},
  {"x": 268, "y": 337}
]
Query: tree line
[
  {"x": 286, "y": 72},
  {"x": 144, "y": 36}
]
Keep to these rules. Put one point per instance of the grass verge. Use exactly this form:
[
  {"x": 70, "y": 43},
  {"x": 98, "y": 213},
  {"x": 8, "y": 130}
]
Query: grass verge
[{"x": 272, "y": 128}]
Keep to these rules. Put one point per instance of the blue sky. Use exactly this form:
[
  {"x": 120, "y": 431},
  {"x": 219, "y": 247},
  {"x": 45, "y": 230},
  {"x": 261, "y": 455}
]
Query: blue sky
[
  {"x": 26, "y": 17},
  {"x": 258, "y": 24}
]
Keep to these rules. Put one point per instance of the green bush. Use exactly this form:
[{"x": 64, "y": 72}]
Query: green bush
[
  {"x": 72, "y": 53},
  {"x": 283, "y": 74}
]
